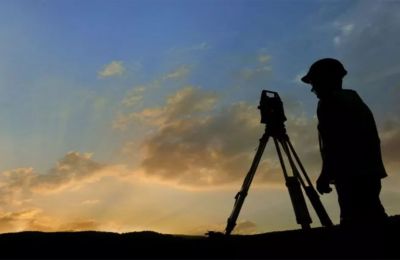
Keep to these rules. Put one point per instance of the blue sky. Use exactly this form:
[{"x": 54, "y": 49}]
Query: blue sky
[{"x": 107, "y": 101}]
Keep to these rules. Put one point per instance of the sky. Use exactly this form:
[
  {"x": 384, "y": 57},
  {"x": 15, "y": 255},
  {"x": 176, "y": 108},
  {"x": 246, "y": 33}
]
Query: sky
[{"x": 142, "y": 115}]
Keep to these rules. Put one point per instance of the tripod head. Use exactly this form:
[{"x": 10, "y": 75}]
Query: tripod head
[{"x": 272, "y": 113}]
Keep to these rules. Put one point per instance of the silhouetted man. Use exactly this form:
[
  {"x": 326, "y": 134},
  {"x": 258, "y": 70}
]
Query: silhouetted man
[{"x": 350, "y": 145}]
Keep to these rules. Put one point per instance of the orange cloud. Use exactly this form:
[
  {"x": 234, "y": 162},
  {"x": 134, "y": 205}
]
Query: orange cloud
[
  {"x": 390, "y": 141},
  {"x": 71, "y": 172},
  {"x": 72, "y": 169},
  {"x": 35, "y": 220}
]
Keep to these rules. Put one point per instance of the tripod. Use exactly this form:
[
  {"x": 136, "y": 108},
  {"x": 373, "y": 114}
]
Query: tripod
[{"x": 294, "y": 183}]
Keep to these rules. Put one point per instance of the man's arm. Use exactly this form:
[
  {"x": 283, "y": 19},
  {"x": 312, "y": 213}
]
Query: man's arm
[{"x": 324, "y": 178}]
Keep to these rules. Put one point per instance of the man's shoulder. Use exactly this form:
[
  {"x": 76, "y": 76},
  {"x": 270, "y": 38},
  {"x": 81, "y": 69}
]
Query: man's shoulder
[
  {"x": 347, "y": 92},
  {"x": 339, "y": 96},
  {"x": 347, "y": 96},
  {"x": 341, "y": 101}
]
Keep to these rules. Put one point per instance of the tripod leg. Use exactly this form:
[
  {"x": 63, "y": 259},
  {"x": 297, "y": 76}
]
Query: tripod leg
[
  {"x": 296, "y": 195},
  {"x": 241, "y": 195},
  {"x": 312, "y": 193},
  {"x": 299, "y": 162}
]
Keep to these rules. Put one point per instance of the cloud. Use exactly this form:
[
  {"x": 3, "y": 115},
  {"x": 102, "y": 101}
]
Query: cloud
[
  {"x": 17, "y": 220},
  {"x": 115, "y": 68},
  {"x": 344, "y": 31},
  {"x": 252, "y": 73},
  {"x": 263, "y": 58},
  {"x": 73, "y": 169},
  {"x": 123, "y": 121},
  {"x": 186, "y": 102},
  {"x": 205, "y": 151},
  {"x": 191, "y": 147},
  {"x": 134, "y": 96},
  {"x": 71, "y": 172},
  {"x": 200, "y": 46},
  {"x": 79, "y": 225},
  {"x": 246, "y": 227},
  {"x": 258, "y": 67},
  {"x": 35, "y": 220},
  {"x": 297, "y": 78},
  {"x": 29, "y": 199},
  {"x": 179, "y": 73},
  {"x": 15, "y": 185},
  {"x": 189, "y": 49},
  {"x": 90, "y": 202},
  {"x": 390, "y": 143}
]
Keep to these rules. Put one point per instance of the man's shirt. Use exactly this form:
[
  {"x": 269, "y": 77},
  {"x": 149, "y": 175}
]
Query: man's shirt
[{"x": 350, "y": 145}]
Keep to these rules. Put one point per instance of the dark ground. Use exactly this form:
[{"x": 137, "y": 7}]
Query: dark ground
[{"x": 336, "y": 242}]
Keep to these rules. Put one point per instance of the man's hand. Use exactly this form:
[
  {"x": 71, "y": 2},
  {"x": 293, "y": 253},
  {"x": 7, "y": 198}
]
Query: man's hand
[{"x": 323, "y": 185}]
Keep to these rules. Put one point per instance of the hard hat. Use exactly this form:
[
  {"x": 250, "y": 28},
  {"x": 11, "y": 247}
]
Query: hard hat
[{"x": 328, "y": 67}]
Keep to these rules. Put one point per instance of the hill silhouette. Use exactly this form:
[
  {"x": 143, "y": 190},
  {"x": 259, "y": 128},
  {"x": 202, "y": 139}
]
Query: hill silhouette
[{"x": 334, "y": 242}]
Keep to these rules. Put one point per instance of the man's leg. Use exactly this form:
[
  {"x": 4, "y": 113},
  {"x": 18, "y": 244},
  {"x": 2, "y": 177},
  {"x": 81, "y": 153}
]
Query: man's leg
[
  {"x": 372, "y": 206},
  {"x": 359, "y": 201},
  {"x": 345, "y": 198}
]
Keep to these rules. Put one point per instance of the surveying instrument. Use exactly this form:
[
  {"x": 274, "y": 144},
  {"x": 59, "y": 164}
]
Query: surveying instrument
[{"x": 273, "y": 116}]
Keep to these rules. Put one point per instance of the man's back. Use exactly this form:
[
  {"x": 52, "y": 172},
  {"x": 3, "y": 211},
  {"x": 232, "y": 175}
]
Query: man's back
[{"x": 350, "y": 141}]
